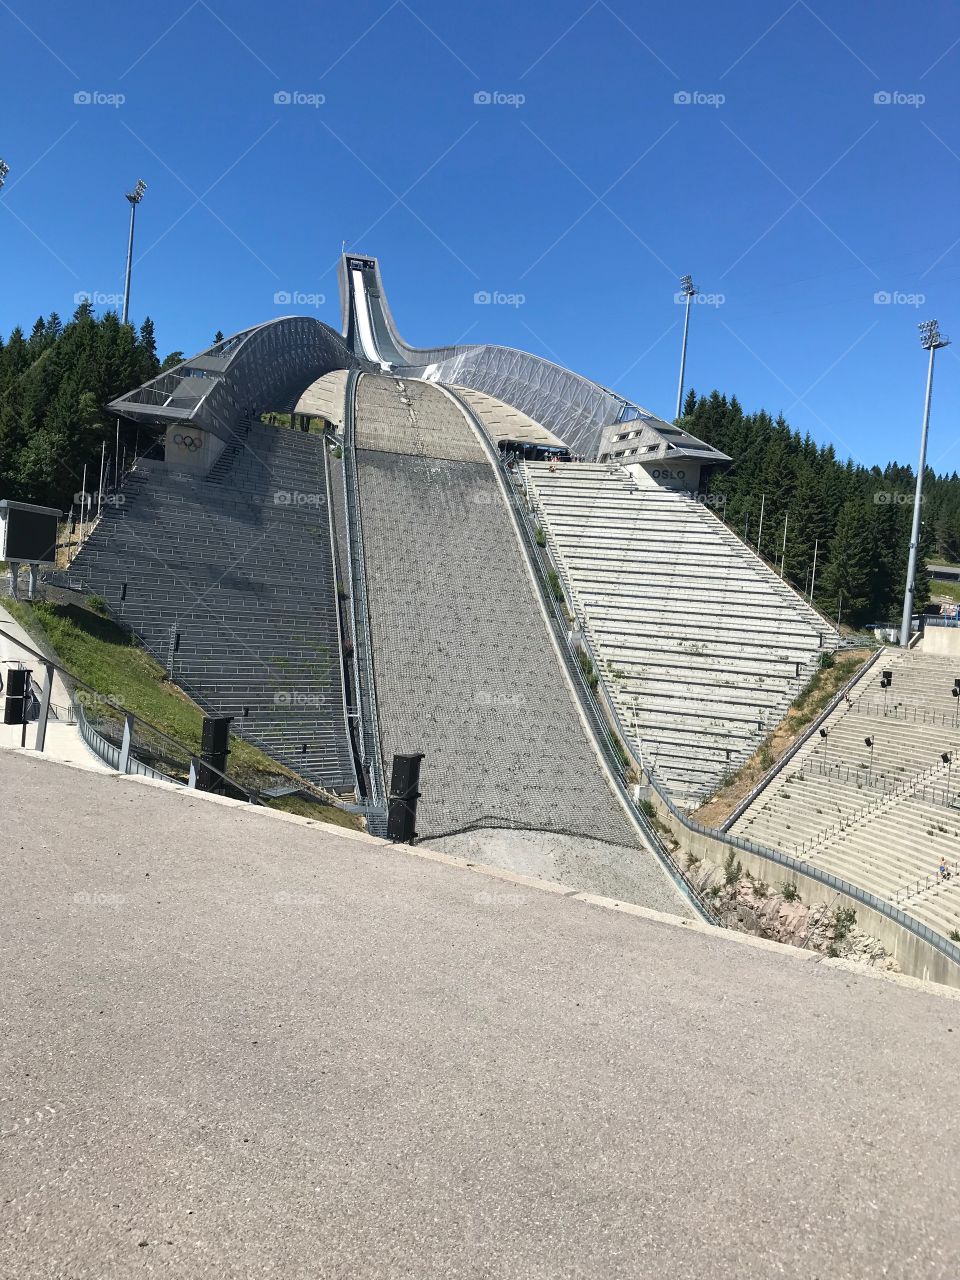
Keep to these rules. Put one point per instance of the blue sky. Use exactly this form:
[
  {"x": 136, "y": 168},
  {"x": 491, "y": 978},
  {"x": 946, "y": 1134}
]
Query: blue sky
[{"x": 580, "y": 194}]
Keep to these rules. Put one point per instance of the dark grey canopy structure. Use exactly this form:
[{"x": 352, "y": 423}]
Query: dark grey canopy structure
[{"x": 266, "y": 367}]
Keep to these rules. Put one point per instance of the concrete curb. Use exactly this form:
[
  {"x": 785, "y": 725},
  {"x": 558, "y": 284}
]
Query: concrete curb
[{"x": 530, "y": 882}]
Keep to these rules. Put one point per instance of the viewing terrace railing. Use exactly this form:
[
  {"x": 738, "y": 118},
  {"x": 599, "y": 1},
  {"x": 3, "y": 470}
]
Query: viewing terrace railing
[
  {"x": 933, "y": 880},
  {"x": 909, "y": 715},
  {"x": 775, "y": 856},
  {"x": 127, "y": 742},
  {"x": 375, "y": 808},
  {"x": 874, "y": 779},
  {"x": 613, "y": 751},
  {"x": 897, "y": 791}
]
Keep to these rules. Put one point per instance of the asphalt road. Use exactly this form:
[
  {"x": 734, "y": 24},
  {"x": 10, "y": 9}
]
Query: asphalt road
[{"x": 240, "y": 1047}]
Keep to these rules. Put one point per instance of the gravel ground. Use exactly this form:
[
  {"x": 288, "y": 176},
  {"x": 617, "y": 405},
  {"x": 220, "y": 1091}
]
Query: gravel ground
[{"x": 629, "y": 875}]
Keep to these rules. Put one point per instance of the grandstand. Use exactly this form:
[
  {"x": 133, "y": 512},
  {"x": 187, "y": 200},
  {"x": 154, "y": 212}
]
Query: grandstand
[
  {"x": 880, "y": 817},
  {"x": 228, "y": 579},
  {"x": 701, "y": 646}
]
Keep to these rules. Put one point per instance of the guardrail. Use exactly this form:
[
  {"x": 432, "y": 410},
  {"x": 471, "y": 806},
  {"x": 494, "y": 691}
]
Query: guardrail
[
  {"x": 375, "y": 811},
  {"x": 345, "y": 702},
  {"x": 778, "y": 766},
  {"x": 909, "y": 715},
  {"x": 949, "y": 949},
  {"x": 613, "y": 752},
  {"x": 941, "y": 944},
  {"x": 122, "y": 755}
]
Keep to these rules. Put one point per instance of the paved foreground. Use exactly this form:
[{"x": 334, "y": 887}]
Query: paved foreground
[{"x": 241, "y": 1047}]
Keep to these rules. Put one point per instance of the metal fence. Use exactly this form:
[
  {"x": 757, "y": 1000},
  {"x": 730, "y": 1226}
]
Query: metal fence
[
  {"x": 124, "y": 741},
  {"x": 775, "y": 856},
  {"x": 375, "y": 811},
  {"x": 909, "y": 715},
  {"x": 614, "y": 754}
]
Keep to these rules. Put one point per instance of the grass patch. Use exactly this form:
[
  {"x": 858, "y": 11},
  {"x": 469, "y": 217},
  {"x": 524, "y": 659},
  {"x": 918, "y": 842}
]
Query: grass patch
[
  {"x": 945, "y": 591},
  {"x": 305, "y": 808},
  {"x": 804, "y": 709},
  {"x": 114, "y": 663}
]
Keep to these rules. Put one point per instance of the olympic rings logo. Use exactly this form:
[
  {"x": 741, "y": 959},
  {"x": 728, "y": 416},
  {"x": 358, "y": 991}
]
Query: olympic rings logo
[{"x": 190, "y": 443}]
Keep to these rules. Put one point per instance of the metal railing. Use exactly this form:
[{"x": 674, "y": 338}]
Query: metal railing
[
  {"x": 369, "y": 723},
  {"x": 883, "y": 907},
  {"x": 874, "y": 779},
  {"x": 933, "y": 880},
  {"x": 887, "y": 909},
  {"x": 888, "y": 796},
  {"x": 115, "y": 735},
  {"x": 909, "y": 715},
  {"x": 331, "y": 533},
  {"x": 778, "y": 766},
  {"x": 612, "y": 750}
]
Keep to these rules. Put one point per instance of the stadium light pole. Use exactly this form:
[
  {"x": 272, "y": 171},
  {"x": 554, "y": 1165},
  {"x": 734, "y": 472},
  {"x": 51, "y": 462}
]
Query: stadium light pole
[
  {"x": 689, "y": 292},
  {"x": 134, "y": 196},
  {"x": 931, "y": 340}
]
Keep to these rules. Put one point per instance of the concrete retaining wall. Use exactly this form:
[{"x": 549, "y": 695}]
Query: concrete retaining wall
[
  {"x": 943, "y": 641},
  {"x": 917, "y": 958}
]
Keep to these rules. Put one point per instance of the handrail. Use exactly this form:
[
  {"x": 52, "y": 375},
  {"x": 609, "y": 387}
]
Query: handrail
[
  {"x": 131, "y": 719},
  {"x": 950, "y": 950},
  {"x": 336, "y": 604},
  {"x": 587, "y": 699},
  {"x": 359, "y": 604},
  {"x": 900, "y": 712},
  {"x": 899, "y": 790},
  {"x": 779, "y": 765}
]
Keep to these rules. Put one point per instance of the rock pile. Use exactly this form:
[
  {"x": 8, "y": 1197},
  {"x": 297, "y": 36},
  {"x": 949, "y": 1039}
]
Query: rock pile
[{"x": 766, "y": 911}]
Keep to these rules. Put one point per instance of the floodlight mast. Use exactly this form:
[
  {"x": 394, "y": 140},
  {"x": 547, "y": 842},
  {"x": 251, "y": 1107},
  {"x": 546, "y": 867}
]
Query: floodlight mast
[
  {"x": 931, "y": 340},
  {"x": 689, "y": 292},
  {"x": 134, "y": 196}
]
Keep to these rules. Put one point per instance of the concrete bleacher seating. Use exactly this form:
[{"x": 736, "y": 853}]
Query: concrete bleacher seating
[
  {"x": 239, "y": 564},
  {"x": 702, "y": 647},
  {"x": 464, "y": 665},
  {"x": 883, "y": 827}
]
